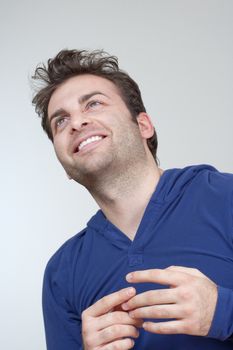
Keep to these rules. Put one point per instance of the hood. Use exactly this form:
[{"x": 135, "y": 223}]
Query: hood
[
  {"x": 174, "y": 181},
  {"x": 171, "y": 184}
]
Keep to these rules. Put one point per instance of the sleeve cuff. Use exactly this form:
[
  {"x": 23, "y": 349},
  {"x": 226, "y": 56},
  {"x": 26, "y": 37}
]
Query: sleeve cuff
[{"x": 222, "y": 324}]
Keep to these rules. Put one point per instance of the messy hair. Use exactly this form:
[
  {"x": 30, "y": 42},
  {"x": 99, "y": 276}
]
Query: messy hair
[{"x": 69, "y": 63}]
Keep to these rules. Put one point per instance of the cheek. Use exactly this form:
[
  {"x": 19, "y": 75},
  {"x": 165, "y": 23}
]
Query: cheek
[{"x": 60, "y": 148}]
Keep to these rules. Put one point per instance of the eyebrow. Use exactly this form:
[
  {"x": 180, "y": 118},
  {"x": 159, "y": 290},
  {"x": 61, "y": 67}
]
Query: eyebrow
[
  {"x": 86, "y": 97},
  {"x": 81, "y": 100},
  {"x": 56, "y": 114}
]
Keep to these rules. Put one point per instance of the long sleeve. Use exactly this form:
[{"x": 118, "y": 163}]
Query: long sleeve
[
  {"x": 222, "y": 325},
  {"x": 62, "y": 325}
]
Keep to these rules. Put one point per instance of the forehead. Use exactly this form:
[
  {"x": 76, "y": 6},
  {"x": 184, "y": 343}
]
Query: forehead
[{"x": 78, "y": 86}]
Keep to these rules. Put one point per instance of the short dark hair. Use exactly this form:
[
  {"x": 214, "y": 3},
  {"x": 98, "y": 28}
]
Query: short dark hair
[{"x": 70, "y": 63}]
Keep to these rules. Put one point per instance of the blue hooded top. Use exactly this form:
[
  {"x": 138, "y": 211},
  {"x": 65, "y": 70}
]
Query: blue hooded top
[{"x": 188, "y": 222}]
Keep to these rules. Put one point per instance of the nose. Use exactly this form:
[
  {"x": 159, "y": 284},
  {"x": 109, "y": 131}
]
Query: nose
[{"x": 77, "y": 123}]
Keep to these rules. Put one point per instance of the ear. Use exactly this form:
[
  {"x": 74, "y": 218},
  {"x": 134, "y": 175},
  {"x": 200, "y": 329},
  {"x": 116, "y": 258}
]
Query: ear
[{"x": 145, "y": 125}]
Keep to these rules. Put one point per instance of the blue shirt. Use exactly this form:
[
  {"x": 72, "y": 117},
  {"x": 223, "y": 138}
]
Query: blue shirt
[{"x": 188, "y": 222}]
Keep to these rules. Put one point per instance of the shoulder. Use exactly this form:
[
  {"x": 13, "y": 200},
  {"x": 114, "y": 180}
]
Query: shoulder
[
  {"x": 195, "y": 181},
  {"x": 214, "y": 189},
  {"x": 213, "y": 179},
  {"x": 61, "y": 261},
  {"x": 59, "y": 271},
  {"x": 57, "y": 294},
  {"x": 204, "y": 174}
]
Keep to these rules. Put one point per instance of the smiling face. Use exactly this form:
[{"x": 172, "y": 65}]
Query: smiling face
[{"x": 93, "y": 131}]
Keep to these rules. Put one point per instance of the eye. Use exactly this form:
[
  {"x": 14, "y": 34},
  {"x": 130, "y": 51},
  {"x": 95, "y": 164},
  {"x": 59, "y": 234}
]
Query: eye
[
  {"x": 60, "y": 122},
  {"x": 93, "y": 104}
]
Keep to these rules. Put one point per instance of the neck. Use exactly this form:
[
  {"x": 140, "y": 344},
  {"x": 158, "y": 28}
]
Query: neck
[{"x": 123, "y": 199}]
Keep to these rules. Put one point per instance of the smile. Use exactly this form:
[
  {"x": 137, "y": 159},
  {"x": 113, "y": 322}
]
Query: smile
[{"x": 89, "y": 140}]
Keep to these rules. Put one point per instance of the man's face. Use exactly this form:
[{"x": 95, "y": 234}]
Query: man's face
[{"x": 93, "y": 131}]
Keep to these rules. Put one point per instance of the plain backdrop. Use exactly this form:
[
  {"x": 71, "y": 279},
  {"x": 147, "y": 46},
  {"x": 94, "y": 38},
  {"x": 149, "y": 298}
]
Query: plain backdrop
[{"x": 181, "y": 54}]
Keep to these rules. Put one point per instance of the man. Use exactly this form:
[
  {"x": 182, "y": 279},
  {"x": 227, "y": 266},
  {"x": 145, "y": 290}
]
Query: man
[{"x": 153, "y": 268}]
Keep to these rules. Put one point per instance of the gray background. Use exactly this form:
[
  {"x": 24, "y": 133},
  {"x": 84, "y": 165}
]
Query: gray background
[{"x": 181, "y": 54}]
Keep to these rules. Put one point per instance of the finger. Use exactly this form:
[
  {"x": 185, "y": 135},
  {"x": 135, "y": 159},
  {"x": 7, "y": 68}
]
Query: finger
[
  {"x": 165, "y": 277},
  {"x": 170, "y": 327},
  {"x": 152, "y": 297},
  {"x": 161, "y": 311},
  {"x": 113, "y": 333},
  {"x": 189, "y": 270},
  {"x": 108, "y": 302},
  {"x": 122, "y": 344},
  {"x": 117, "y": 317}
]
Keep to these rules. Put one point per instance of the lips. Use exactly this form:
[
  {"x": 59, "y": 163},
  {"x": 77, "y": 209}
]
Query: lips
[
  {"x": 86, "y": 140},
  {"x": 89, "y": 140}
]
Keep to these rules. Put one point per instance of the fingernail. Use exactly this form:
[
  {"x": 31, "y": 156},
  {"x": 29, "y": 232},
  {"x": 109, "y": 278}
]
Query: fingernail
[
  {"x": 131, "y": 314},
  {"x": 125, "y": 306},
  {"x": 131, "y": 291},
  {"x": 132, "y": 342},
  {"x": 129, "y": 277}
]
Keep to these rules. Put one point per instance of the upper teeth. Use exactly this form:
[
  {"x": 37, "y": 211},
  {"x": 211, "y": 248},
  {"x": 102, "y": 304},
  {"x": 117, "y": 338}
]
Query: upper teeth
[{"x": 89, "y": 140}]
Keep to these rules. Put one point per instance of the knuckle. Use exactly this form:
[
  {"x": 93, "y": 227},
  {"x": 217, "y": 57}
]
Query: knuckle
[
  {"x": 112, "y": 317},
  {"x": 198, "y": 273},
  {"x": 192, "y": 327},
  {"x": 119, "y": 317},
  {"x": 162, "y": 313},
  {"x": 189, "y": 327},
  {"x": 85, "y": 329},
  {"x": 84, "y": 315},
  {"x": 151, "y": 274},
  {"x": 116, "y": 346},
  {"x": 160, "y": 329},
  {"x": 115, "y": 330},
  {"x": 150, "y": 297},
  {"x": 131, "y": 331},
  {"x": 105, "y": 302},
  {"x": 186, "y": 294},
  {"x": 159, "y": 293},
  {"x": 188, "y": 311},
  {"x": 88, "y": 342},
  {"x": 170, "y": 273},
  {"x": 110, "y": 332},
  {"x": 168, "y": 328},
  {"x": 109, "y": 317}
]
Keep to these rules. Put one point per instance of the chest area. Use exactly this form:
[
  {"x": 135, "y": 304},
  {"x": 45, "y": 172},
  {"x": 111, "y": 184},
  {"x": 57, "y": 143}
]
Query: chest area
[{"x": 190, "y": 240}]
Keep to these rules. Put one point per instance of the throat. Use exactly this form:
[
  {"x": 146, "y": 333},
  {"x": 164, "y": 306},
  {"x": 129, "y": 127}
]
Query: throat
[{"x": 125, "y": 208}]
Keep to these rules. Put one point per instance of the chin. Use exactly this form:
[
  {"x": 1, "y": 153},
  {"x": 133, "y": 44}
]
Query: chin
[{"x": 90, "y": 171}]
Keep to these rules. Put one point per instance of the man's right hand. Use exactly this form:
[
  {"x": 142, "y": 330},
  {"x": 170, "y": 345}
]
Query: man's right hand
[{"x": 105, "y": 326}]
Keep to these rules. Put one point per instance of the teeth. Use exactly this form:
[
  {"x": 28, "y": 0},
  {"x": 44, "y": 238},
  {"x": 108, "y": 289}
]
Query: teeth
[{"x": 89, "y": 140}]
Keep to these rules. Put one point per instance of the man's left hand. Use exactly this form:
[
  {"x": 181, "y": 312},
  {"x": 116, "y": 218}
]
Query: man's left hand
[{"x": 189, "y": 301}]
